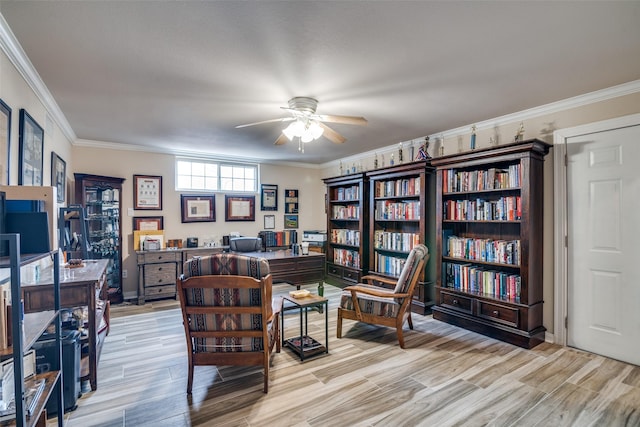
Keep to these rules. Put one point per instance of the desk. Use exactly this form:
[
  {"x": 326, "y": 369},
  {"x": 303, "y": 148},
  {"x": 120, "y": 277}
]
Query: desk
[
  {"x": 295, "y": 269},
  {"x": 83, "y": 286}
]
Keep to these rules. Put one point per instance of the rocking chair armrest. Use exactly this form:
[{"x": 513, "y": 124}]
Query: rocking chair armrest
[
  {"x": 383, "y": 293},
  {"x": 382, "y": 279}
]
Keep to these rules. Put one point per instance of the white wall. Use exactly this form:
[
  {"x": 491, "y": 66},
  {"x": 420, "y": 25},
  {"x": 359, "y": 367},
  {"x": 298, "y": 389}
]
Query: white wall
[{"x": 124, "y": 164}]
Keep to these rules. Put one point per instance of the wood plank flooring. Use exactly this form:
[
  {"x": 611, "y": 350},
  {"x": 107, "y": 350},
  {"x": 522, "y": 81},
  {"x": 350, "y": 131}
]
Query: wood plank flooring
[{"x": 446, "y": 376}]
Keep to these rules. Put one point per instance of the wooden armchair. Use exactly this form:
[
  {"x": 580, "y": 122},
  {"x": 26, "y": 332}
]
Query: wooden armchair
[
  {"x": 383, "y": 306},
  {"x": 228, "y": 313}
]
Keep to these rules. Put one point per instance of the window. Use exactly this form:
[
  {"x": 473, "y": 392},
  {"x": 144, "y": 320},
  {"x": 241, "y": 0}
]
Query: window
[{"x": 216, "y": 176}]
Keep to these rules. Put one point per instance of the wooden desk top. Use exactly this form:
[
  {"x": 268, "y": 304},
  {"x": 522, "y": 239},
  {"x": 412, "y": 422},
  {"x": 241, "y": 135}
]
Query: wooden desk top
[
  {"x": 284, "y": 254},
  {"x": 90, "y": 273}
]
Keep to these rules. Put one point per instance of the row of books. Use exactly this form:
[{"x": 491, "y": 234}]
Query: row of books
[
  {"x": 389, "y": 265},
  {"x": 397, "y": 188},
  {"x": 345, "y": 237},
  {"x": 346, "y": 257},
  {"x": 348, "y": 193},
  {"x": 503, "y": 209},
  {"x": 475, "y": 279},
  {"x": 345, "y": 212},
  {"x": 278, "y": 238},
  {"x": 404, "y": 210},
  {"x": 395, "y": 241},
  {"x": 454, "y": 180},
  {"x": 486, "y": 250}
]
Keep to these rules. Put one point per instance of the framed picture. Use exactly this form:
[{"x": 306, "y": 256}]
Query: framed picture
[
  {"x": 31, "y": 140},
  {"x": 240, "y": 208},
  {"x": 269, "y": 222},
  {"x": 291, "y": 221},
  {"x": 147, "y": 192},
  {"x": 59, "y": 175},
  {"x": 269, "y": 197},
  {"x": 148, "y": 223},
  {"x": 198, "y": 207},
  {"x": 291, "y": 201},
  {"x": 5, "y": 142}
]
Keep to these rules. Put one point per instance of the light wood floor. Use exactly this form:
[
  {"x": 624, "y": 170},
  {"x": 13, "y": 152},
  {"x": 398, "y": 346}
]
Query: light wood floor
[{"x": 446, "y": 376}]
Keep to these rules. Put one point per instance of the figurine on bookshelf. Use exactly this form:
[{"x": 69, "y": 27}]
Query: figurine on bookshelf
[
  {"x": 423, "y": 152},
  {"x": 473, "y": 137},
  {"x": 375, "y": 160},
  {"x": 441, "y": 149},
  {"x": 400, "y": 153},
  {"x": 520, "y": 134},
  {"x": 391, "y": 162}
]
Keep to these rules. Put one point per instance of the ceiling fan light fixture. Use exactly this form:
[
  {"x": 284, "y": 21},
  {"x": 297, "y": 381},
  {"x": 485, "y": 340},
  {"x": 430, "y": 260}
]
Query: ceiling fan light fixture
[{"x": 295, "y": 129}]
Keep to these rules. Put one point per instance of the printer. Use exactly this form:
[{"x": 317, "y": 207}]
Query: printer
[{"x": 316, "y": 238}]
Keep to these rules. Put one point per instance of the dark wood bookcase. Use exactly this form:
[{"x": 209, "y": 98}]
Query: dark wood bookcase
[
  {"x": 401, "y": 214},
  {"x": 489, "y": 232},
  {"x": 101, "y": 198},
  {"x": 347, "y": 228}
]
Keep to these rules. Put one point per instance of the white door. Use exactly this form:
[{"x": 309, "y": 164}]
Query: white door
[{"x": 603, "y": 190}]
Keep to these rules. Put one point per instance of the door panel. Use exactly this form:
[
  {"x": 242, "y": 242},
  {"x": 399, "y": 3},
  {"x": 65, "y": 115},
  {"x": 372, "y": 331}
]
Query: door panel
[{"x": 603, "y": 184}]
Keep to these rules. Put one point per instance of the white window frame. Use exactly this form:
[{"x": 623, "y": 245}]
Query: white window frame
[{"x": 219, "y": 165}]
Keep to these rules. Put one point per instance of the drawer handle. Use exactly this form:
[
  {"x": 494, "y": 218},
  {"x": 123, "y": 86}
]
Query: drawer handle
[
  {"x": 160, "y": 257},
  {"x": 495, "y": 313},
  {"x": 454, "y": 302},
  {"x": 159, "y": 268}
]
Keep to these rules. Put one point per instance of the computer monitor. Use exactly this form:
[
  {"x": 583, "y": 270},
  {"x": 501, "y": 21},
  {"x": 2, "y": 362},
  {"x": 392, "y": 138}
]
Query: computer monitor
[{"x": 33, "y": 228}]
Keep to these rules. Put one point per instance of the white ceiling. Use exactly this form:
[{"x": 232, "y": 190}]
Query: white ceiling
[{"x": 180, "y": 75}]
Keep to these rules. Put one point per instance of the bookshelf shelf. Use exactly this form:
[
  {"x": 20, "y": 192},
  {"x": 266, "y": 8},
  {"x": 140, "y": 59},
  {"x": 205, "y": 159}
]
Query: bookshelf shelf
[
  {"x": 347, "y": 228},
  {"x": 489, "y": 241},
  {"x": 401, "y": 216},
  {"x": 25, "y": 330}
]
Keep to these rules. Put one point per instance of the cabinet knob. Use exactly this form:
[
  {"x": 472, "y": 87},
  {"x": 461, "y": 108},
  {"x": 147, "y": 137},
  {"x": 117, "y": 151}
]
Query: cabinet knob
[
  {"x": 454, "y": 302},
  {"x": 159, "y": 268},
  {"x": 160, "y": 257},
  {"x": 495, "y": 313}
]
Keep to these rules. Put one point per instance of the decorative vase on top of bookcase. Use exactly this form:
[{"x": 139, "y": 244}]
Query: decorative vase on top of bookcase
[
  {"x": 347, "y": 228},
  {"x": 401, "y": 215},
  {"x": 489, "y": 228}
]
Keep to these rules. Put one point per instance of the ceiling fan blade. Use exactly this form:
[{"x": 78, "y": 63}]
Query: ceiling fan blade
[
  {"x": 284, "y": 119},
  {"x": 331, "y": 134},
  {"x": 281, "y": 139},
  {"x": 347, "y": 120}
]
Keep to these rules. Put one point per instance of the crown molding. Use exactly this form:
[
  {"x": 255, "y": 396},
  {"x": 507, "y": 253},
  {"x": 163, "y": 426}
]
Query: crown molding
[
  {"x": 19, "y": 59},
  {"x": 551, "y": 108},
  {"x": 193, "y": 154}
]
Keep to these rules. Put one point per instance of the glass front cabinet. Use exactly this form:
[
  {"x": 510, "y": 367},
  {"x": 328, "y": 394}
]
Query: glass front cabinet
[{"x": 100, "y": 197}]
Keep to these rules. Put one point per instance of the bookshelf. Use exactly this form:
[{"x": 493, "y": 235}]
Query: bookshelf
[
  {"x": 347, "y": 228},
  {"x": 401, "y": 215},
  {"x": 489, "y": 235},
  {"x": 25, "y": 330}
]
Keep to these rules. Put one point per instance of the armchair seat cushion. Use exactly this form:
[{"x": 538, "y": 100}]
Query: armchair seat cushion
[{"x": 369, "y": 304}]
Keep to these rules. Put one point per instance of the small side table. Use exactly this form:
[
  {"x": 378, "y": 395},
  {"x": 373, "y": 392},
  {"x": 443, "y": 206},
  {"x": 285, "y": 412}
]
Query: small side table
[{"x": 304, "y": 345}]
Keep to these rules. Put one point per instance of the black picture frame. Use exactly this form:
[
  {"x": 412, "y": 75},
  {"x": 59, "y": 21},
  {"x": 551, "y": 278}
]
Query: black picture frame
[
  {"x": 5, "y": 142},
  {"x": 239, "y": 208},
  {"x": 59, "y": 176},
  {"x": 198, "y": 207},
  {"x": 268, "y": 197},
  {"x": 291, "y": 201},
  {"x": 147, "y": 192},
  {"x": 31, "y": 141}
]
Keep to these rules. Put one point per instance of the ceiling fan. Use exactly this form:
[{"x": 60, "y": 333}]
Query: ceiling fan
[{"x": 307, "y": 125}]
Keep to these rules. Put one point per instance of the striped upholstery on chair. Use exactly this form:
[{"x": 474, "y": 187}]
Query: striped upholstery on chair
[
  {"x": 226, "y": 263},
  {"x": 235, "y": 265},
  {"x": 384, "y": 306}
]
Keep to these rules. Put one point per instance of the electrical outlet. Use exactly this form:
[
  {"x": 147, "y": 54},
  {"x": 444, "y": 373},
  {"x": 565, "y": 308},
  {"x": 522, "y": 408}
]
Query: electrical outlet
[{"x": 124, "y": 274}]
